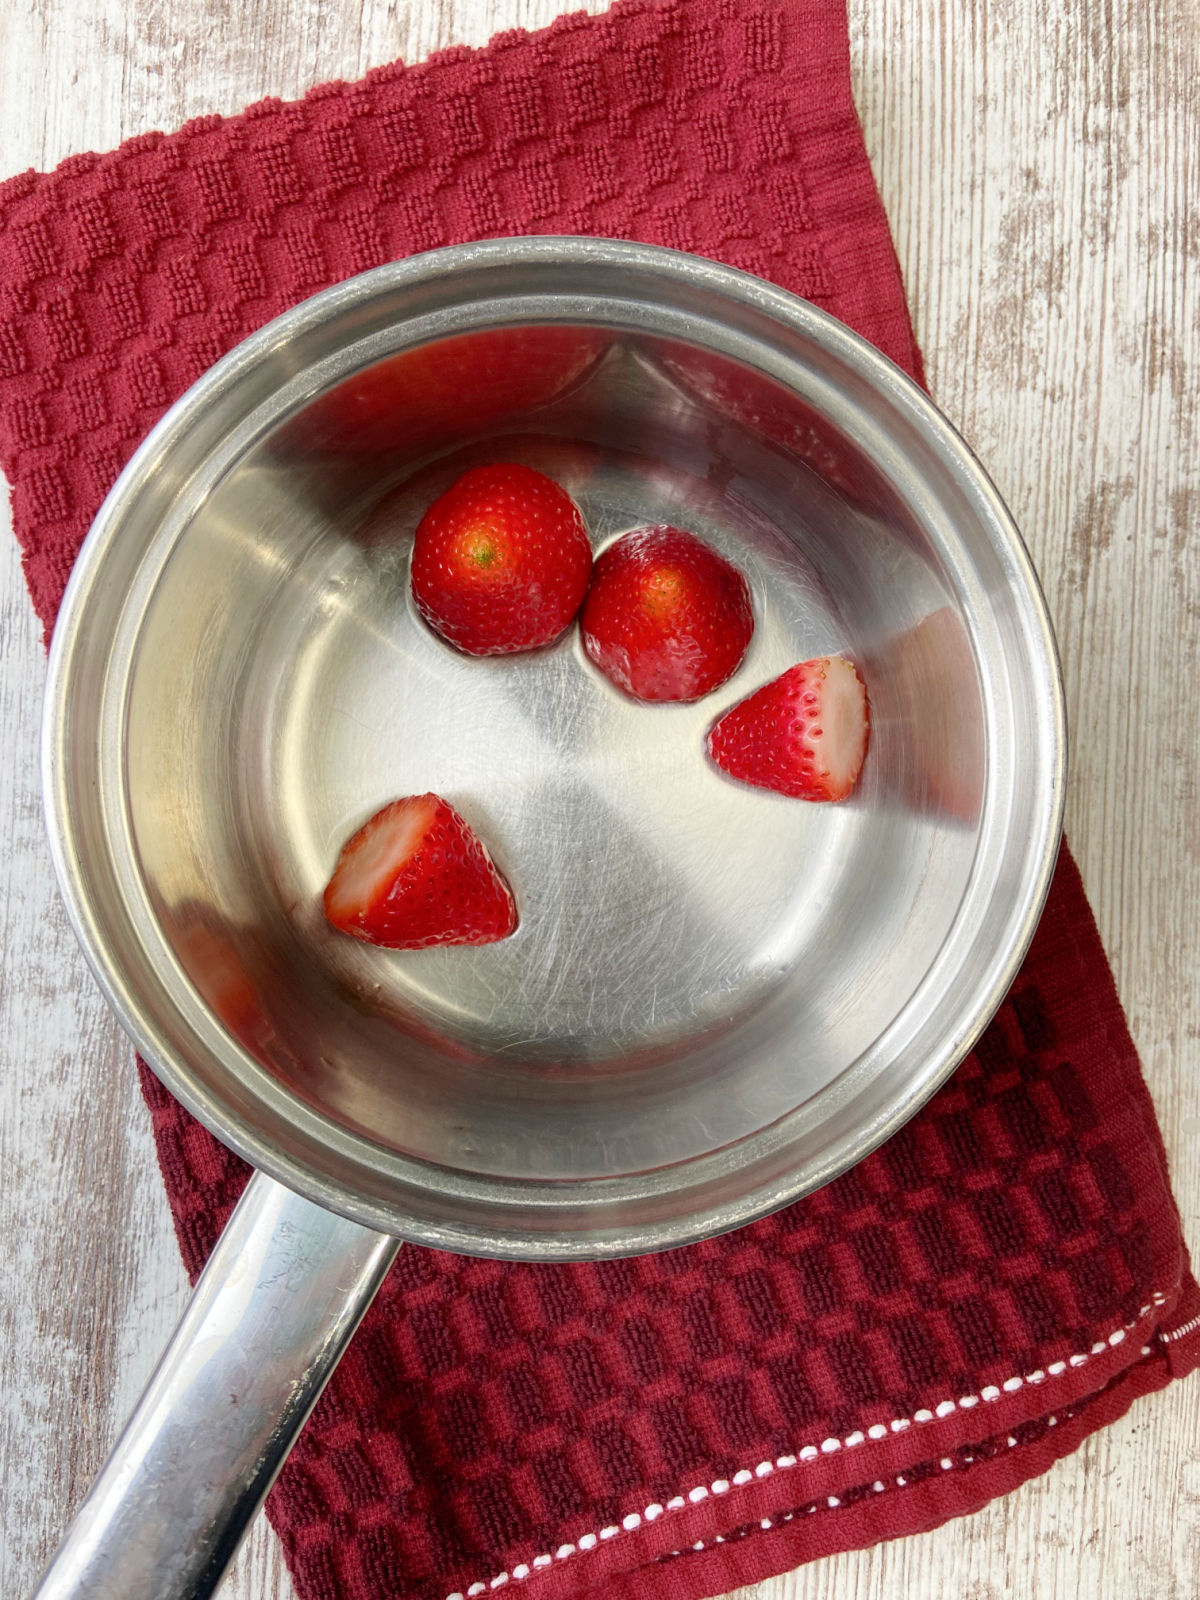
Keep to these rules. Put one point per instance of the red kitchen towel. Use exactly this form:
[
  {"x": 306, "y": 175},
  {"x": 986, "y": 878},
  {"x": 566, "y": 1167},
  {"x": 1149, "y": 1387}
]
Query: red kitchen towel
[{"x": 1003, "y": 1277}]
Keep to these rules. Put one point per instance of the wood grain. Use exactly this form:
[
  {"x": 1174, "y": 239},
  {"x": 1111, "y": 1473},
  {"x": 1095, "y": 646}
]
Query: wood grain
[{"x": 1042, "y": 178}]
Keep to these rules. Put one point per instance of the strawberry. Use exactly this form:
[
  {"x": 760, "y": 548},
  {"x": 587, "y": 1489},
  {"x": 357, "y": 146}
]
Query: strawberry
[
  {"x": 501, "y": 561},
  {"x": 666, "y": 617},
  {"x": 804, "y": 734},
  {"x": 416, "y": 875}
]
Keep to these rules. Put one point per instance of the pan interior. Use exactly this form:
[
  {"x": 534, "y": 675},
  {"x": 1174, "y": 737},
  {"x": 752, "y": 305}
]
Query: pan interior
[{"x": 695, "y": 959}]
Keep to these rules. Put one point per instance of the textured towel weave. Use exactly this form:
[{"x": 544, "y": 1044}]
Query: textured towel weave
[{"x": 1003, "y": 1277}]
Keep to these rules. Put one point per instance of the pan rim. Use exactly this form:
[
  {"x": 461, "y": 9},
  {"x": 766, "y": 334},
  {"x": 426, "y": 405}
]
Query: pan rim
[{"x": 599, "y": 1230}]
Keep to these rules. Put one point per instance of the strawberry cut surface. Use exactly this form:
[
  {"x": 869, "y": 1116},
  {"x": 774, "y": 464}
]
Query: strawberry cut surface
[
  {"x": 417, "y": 875},
  {"x": 501, "y": 561},
  {"x": 666, "y": 617},
  {"x": 804, "y": 734}
]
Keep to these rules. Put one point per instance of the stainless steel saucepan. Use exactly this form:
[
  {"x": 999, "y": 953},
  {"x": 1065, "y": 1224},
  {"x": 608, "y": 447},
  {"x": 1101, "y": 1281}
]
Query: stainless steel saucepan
[{"x": 717, "y": 999}]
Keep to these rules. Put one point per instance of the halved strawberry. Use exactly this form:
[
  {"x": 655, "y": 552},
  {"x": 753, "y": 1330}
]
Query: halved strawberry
[
  {"x": 666, "y": 617},
  {"x": 804, "y": 734},
  {"x": 501, "y": 561},
  {"x": 417, "y": 875}
]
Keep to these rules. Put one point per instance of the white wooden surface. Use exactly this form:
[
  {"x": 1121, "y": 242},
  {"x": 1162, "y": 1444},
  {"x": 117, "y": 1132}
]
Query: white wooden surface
[{"x": 1043, "y": 183}]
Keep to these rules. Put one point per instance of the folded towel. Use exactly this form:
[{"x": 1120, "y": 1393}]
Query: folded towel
[{"x": 1002, "y": 1278}]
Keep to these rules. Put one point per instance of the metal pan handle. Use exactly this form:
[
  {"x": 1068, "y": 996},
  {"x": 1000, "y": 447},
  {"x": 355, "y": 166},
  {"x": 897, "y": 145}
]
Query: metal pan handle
[{"x": 274, "y": 1308}]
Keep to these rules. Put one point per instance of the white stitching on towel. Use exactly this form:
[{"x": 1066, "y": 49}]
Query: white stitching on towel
[
  {"x": 1181, "y": 1333},
  {"x": 809, "y": 1452}
]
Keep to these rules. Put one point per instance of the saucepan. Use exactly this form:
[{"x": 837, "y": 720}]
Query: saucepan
[{"x": 717, "y": 998}]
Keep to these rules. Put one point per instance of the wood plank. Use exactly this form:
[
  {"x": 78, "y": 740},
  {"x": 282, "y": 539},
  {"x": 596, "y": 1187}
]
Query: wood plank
[{"x": 1043, "y": 183}]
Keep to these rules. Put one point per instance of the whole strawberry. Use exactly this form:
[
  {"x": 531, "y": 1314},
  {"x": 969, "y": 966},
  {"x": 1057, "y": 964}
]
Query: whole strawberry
[
  {"x": 501, "y": 561},
  {"x": 416, "y": 875},
  {"x": 804, "y": 734},
  {"x": 666, "y": 617}
]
